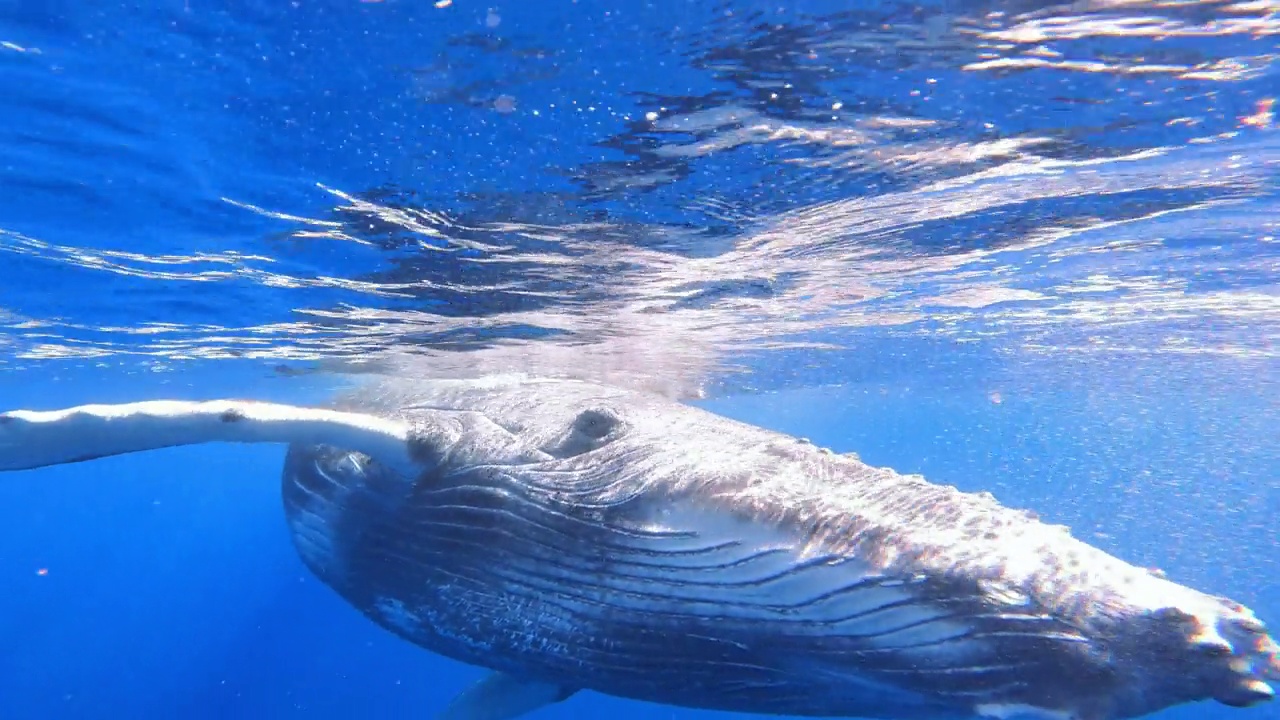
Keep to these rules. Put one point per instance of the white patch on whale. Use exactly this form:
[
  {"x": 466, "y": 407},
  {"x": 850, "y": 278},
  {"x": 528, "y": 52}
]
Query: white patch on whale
[{"x": 395, "y": 614}]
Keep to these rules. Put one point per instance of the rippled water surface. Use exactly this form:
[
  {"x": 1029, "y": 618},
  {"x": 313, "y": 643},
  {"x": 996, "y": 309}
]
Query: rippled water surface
[
  {"x": 985, "y": 199},
  {"x": 668, "y": 190}
]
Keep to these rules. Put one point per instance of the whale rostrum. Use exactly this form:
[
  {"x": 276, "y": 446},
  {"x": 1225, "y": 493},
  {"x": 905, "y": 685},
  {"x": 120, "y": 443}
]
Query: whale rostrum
[{"x": 571, "y": 536}]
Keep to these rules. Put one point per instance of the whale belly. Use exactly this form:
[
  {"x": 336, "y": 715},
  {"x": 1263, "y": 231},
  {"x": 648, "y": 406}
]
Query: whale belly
[{"x": 670, "y": 605}]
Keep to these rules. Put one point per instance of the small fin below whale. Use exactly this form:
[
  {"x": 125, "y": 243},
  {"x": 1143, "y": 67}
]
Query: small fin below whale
[{"x": 500, "y": 696}]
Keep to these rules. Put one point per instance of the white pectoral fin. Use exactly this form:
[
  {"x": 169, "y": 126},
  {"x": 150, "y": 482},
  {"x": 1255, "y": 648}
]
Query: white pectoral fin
[
  {"x": 499, "y": 696},
  {"x": 33, "y": 439}
]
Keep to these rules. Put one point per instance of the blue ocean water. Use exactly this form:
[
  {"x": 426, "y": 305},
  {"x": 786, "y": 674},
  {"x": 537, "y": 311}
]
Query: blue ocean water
[{"x": 1023, "y": 247}]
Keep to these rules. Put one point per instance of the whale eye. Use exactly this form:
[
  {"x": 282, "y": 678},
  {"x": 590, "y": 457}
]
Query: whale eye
[
  {"x": 595, "y": 424},
  {"x": 590, "y": 430}
]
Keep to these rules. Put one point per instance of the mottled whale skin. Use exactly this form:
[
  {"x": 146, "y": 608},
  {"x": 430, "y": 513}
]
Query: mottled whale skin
[{"x": 591, "y": 537}]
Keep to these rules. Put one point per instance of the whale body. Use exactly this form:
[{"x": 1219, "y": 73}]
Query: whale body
[{"x": 571, "y": 536}]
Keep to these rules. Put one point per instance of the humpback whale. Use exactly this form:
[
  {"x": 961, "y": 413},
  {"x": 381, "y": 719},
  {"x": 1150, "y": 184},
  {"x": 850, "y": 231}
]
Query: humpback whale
[{"x": 572, "y": 536}]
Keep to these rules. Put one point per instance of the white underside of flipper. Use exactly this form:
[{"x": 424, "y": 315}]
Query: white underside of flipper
[
  {"x": 32, "y": 439},
  {"x": 500, "y": 696},
  {"x": 1003, "y": 711}
]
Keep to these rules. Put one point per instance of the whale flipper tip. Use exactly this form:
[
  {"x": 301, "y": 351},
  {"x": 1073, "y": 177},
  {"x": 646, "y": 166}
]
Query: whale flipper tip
[{"x": 501, "y": 696}]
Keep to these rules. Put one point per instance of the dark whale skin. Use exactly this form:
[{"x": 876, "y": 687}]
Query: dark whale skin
[{"x": 615, "y": 541}]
